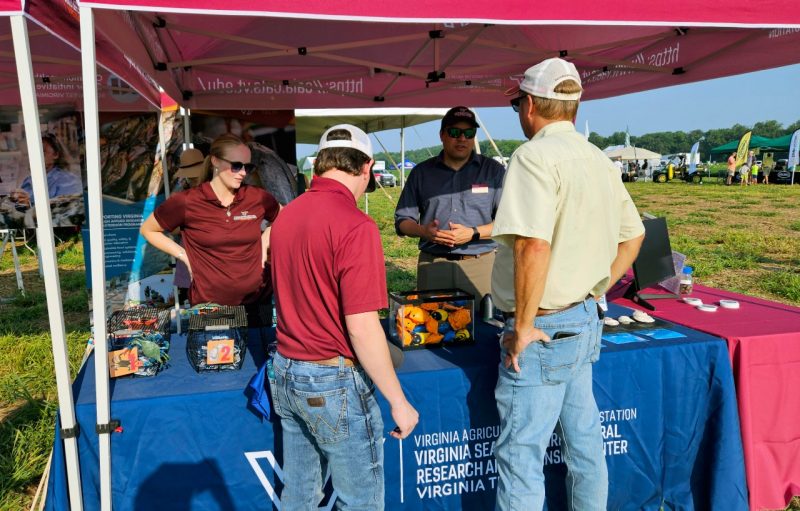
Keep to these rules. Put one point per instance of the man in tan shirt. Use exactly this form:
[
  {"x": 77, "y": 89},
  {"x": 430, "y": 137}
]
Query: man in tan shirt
[{"x": 567, "y": 229}]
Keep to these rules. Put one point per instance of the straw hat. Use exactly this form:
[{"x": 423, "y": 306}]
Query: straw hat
[{"x": 191, "y": 164}]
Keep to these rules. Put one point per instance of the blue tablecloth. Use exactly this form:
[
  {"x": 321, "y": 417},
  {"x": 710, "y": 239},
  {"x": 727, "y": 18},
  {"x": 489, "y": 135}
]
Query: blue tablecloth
[{"x": 668, "y": 410}]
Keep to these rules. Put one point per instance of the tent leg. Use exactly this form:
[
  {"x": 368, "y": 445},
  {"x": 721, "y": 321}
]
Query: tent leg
[
  {"x": 187, "y": 128},
  {"x": 95, "y": 214},
  {"x": 403, "y": 153},
  {"x": 33, "y": 136}
]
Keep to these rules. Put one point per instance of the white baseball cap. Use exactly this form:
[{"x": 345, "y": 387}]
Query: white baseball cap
[
  {"x": 358, "y": 139},
  {"x": 542, "y": 79}
]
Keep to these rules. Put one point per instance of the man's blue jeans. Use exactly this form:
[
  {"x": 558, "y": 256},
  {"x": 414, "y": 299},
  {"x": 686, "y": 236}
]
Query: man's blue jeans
[
  {"x": 552, "y": 391},
  {"x": 330, "y": 421}
]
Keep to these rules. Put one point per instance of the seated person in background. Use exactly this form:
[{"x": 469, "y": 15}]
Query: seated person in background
[
  {"x": 225, "y": 248},
  {"x": 59, "y": 181}
]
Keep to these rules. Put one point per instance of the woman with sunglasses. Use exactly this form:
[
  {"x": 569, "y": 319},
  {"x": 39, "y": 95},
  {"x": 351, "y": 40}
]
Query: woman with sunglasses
[{"x": 225, "y": 248}]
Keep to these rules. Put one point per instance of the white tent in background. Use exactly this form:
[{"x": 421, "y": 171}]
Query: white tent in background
[
  {"x": 312, "y": 123},
  {"x": 632, "y": 153}
]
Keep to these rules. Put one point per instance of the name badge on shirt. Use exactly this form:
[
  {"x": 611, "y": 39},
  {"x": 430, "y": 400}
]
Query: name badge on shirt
[{"x": 480, "y": 188}]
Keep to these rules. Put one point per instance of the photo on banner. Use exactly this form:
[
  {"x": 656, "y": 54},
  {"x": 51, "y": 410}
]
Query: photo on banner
[
  {"x": 62, "y": 146},
  {"x": 132, "y": 183}
]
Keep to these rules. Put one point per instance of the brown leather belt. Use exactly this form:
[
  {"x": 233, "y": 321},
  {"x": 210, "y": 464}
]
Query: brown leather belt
[
  {"x": 460, "y": 257},
  {"x": 542, "y": 312},
  {"x": 334, "y": 361}
]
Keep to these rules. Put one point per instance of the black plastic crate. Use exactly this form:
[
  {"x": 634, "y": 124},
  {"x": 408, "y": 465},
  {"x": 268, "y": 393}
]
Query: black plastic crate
[{"x": 217, "y": 338}]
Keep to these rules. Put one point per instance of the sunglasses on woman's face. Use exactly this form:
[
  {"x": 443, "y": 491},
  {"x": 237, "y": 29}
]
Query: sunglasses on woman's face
[
  {"x": 237, "y": 166},
  {"x": 457, "y": 132}
]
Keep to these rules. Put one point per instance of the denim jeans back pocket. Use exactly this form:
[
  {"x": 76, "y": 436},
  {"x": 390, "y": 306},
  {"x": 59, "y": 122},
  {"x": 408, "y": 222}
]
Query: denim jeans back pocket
[
  {"x": 324, "y": 412},
  {"x": 559, "y": 357}
]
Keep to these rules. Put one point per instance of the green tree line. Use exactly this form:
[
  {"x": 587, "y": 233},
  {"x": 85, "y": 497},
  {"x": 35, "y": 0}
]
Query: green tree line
[{"x": 664, "y": 142}]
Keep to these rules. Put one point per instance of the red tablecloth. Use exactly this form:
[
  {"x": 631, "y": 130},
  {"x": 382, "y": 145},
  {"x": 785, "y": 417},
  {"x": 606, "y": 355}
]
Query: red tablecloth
[{"x": 764, "y": 344}]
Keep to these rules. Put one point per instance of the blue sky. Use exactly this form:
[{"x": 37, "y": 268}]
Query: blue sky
[{"x": 721, "y": 103}]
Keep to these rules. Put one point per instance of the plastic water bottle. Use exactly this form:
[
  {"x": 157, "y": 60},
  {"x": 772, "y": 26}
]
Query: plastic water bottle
[
  {"x": 487, "y": 307},
  {"x": 687, "y": 280}
]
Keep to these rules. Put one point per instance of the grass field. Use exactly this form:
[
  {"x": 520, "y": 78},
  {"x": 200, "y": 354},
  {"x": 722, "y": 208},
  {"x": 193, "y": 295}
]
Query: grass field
[{"x": 745, "y": 239}]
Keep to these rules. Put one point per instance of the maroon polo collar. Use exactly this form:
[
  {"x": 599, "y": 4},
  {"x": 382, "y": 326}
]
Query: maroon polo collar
[
  {"x": 326, "y": 184},
  {"x": 208, "y": 194}
]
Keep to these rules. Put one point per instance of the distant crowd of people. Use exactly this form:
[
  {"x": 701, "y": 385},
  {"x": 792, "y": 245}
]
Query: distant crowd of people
[{"x": 748, "y": 172}]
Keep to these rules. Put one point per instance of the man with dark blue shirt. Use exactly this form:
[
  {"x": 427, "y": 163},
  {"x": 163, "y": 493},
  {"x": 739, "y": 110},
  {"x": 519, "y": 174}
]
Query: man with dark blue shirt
[{"x": 449, "y": 203}]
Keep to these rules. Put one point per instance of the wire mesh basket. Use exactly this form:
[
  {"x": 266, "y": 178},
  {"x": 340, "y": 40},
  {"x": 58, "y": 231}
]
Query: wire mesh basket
[
  {"x": 124, "y": 325},
  {"x": 217, "y": 338},
  {"x": 138, "y": 341}
]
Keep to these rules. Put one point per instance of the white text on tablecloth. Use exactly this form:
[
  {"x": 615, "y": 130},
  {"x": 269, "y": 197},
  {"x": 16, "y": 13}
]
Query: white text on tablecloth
[{"x": 455, "y": 462}]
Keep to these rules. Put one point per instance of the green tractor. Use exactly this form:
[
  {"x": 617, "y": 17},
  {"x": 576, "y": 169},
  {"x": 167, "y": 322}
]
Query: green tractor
[{"x": 677, "y": 169}]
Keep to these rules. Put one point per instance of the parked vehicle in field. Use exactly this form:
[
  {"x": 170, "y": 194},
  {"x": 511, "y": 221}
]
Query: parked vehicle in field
[
  {"x": 781, "y": 174},
  {"x": 678, "y": 168},
  {"x": 385, "y": 178}
]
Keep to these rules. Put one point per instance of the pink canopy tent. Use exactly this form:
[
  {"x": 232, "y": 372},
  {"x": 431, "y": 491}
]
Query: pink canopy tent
[
  {"x": 284, "y": 54},
  {"x": 319, "y": 54}
]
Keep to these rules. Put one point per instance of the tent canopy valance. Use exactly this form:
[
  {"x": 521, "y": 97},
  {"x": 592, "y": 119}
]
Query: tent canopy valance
[{"x": 777, "y": 13}]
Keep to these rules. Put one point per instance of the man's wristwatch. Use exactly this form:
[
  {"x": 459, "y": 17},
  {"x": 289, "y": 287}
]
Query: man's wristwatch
[{"x": 476, "y": 235}]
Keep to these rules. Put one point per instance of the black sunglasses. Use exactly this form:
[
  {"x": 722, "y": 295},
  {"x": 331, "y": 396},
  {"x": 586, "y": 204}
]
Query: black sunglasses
[
  {"x": 517, "y": 101},
  {"x": 457, "y": 132},
  {"x": 237, "y": 166}
]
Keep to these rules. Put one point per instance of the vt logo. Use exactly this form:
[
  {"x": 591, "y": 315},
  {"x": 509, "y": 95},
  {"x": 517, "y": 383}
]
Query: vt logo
[{"x": 277, "y": 476}]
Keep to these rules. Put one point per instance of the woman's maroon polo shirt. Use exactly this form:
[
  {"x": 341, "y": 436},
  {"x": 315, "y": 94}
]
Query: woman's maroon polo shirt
[
  {"x": 327, "y": 263},
  {"x": 223, "y": 244}
]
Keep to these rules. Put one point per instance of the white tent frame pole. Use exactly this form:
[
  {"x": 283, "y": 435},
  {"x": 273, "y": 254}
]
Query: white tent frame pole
[
  {"x": 95, "y": 214},
  {"x": 389, "y": 156},
  {"x": 187, "y": 143},
  {"x": 402, "y": 152},
  {"x": 163, "y": 150},
  {"x": 162, "y": 140},
  {"x": 187, "y": 128},
  {"x": 488, "y": 135},
  {"x": 47, "y": 250}
]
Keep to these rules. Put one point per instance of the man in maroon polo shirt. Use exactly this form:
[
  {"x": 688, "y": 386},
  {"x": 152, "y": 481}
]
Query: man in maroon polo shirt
[{"x": 329, "y": 278}]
